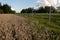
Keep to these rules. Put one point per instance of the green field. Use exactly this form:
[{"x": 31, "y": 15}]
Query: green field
[{"x": 44, "y": 27}]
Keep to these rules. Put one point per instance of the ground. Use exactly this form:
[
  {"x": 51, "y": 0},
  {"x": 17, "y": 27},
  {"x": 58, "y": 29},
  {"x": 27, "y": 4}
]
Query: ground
[
  {"x": 29, "y": 27},
  {"x": 13, "y": 27}
]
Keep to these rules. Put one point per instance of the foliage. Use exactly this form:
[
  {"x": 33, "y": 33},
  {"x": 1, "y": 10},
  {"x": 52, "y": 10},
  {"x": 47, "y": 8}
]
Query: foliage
[
  {"x": 1, "y": 11},
  {"x": 5, "y": 8},
  {"x": 58, "y": 9},
  {"x": 45, "y": 9},
  {"x": 46, "y": 30},
  {"x": 28, "y": 10}
]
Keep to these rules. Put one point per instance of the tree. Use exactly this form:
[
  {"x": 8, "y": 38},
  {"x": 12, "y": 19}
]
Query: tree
[
  {"x": 28, "y": 10},
  {"x": 24, "y": 11},
  {"x": 46, "y": 9},
  {"x": 1, "y": 11},
  {"x": 0, "y": 5},
  {"x": 58, "y": 9},
  {"x": 6, "y": 8},
  {"x": 12, "y": 11},
  {"x": 41, "y": 10}
]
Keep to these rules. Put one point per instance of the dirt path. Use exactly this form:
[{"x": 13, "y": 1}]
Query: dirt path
[{"x": 14, "y": 27}]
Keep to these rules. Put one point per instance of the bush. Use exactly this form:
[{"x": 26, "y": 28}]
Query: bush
[{"x": 1, "y": 11}]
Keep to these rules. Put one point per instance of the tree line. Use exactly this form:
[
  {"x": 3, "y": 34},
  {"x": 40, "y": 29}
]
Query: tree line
[
  {"x": 46, "y": 9},
  {"x": 5, "y": 8}
]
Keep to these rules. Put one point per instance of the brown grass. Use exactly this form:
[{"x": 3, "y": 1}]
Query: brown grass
[{"x": 13, "y": 27}]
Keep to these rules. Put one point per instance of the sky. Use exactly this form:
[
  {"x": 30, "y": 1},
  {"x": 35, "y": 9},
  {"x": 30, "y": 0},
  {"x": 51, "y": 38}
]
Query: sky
[
  {"x": 54, "y": 3},
  {"x": 18, "y": 5}
]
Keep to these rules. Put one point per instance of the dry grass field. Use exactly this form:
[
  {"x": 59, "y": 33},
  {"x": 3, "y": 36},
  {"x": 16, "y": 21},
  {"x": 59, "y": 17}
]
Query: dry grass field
[
  {"x": 29, "y": 27},
  {"x": 13, "y": 27}
]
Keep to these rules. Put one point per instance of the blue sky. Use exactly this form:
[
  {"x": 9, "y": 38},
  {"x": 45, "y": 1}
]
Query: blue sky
[{"x": 19, "y": 4}]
